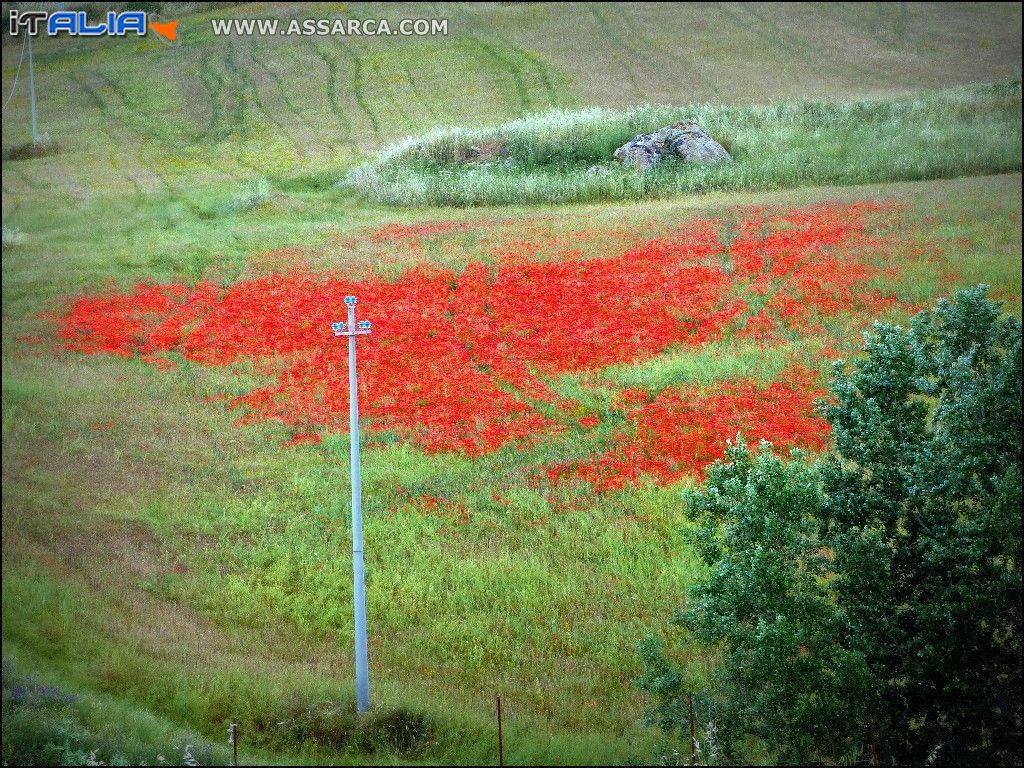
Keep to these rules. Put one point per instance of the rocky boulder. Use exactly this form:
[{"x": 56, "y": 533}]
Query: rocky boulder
[
  {"x": 687, "y": 141},
  {"x": 487, "y": 152}
]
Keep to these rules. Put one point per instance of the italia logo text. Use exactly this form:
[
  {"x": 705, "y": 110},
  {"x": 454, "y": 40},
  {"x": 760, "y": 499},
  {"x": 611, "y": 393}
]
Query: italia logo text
[{"x": 78, "y": 24}]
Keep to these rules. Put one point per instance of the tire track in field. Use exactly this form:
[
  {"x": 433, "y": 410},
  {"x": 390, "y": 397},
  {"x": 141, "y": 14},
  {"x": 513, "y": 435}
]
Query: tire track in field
[
  {"x": 227, "y": 115},
  {"x": 231, "y": 88},
  {"x": 390, "y": 95},
  {"x": 122, "y": 115},
  {"x": 259, "y": 61},
  {"x": 226, "y": 86},
  {"x": 28, "y": 181},
  {"x": 851, "y": 18},
  {"x": 255, "y": 97},
  {"x": 491, "y": 60},
  {"x": 796, "y": 47},
  {"x": 89, "y": 92},
  {"x": 767, "y": 30},
  {"x": 251, "y": 84},
  {"x": 775, "y": 48},
  {"x": 125, "y": 114},
  {"x": 246, "y": 93},
  {"x": 676, "y": 54},
  {"x": 544, "y": 74},
  {"x": 112, "y": 123},
  {"x": 535, "y": 63},
  {"x": 428, "y": 104},
  {"x": 503, "y": 66},
  {"x": 332, "y": 90},
  {"x": 616, "y": 40},
  {"x": 213, "y": 84}
]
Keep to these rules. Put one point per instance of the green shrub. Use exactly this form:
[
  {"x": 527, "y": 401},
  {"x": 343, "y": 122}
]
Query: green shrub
[
  {"x": 783, "y": 676},
  {"x": 253, "y": 195},
  {"x": 923, "y": 511},
  {"x": 33, "y": 149},
  {"x": 399, "y": 731},
  {"x": 46, "y": 724},
  {"x": 302, "y": 723}
]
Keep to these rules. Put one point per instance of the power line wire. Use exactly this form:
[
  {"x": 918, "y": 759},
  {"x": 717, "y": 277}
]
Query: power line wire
[{"x": 14, "y": 85}]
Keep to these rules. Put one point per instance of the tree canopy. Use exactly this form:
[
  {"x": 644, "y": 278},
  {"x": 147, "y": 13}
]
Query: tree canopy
[{"x": 870, "y": 602}]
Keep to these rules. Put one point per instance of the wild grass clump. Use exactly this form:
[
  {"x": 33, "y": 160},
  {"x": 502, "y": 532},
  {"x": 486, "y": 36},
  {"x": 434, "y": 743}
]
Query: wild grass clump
[
  {"x": 938, "y": 134},
  {"x": 301, "y": 722},
  {"x": 399, "y": 731},
  {"x": 253, "y": 195},
  {"x": 13, "y": 237},
  {"x": 30, "y": 150}
]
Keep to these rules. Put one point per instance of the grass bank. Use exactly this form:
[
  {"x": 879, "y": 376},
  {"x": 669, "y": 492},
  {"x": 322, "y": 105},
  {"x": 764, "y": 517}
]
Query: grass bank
[
  {"x": 174, "y": 572},
  {"x": 549, "y": 157}
]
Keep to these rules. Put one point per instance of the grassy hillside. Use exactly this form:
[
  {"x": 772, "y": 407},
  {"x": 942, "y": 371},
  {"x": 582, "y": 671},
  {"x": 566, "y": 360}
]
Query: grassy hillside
[
  {"x": 167, "y": 569},
  {"x": 149, "y": 116}
]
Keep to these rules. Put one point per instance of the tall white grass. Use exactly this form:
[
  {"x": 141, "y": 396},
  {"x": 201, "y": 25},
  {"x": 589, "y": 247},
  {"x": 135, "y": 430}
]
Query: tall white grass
[{"x": 963, "y": 131}]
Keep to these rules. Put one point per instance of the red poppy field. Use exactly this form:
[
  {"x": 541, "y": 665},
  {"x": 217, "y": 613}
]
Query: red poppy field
[
  {"x": 536, "y": 392},
  {"x": 563, "y": 344},
  {"x": 469, "y": 360}
]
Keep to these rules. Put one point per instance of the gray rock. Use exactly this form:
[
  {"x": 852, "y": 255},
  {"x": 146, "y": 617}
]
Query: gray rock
[
  {"x": 488, "y": 152},
  {"x": 687, "y": 141}
]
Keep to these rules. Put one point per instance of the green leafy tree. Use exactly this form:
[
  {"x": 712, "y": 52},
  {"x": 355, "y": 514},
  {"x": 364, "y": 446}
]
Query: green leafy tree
[
  {"x": 923, "y": 512},
  {"x": 770, "y": 610},
  {"x": 879, "y": 590}
]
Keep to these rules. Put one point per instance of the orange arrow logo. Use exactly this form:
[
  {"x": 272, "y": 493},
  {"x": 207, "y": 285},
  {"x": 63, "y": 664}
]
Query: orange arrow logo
[{"x": 168, "y": 29}]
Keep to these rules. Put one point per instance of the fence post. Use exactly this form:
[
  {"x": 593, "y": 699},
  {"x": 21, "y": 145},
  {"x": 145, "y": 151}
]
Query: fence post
[
  {"x": 501, "y": 746},
  {"x": 693, "y": 733}
]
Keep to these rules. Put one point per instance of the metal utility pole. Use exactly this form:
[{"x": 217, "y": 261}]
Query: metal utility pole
[
  {"x": 32, "y": 89},
  {"x": 351, "y": 329}
]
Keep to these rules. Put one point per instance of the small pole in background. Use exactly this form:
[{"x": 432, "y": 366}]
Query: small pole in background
[
  {"x": 501, "y": 746},
  {"x": 693, "y": 733},
  {"x": 351, "y": 329},
  {"x": 874, "y": 743},
  {"x": 233, "y": 741},
  {"x": 32, "y": 90}
]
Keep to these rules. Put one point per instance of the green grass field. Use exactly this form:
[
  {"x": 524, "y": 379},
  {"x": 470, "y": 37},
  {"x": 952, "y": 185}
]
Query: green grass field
[{"x": 172, "y": 571}]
